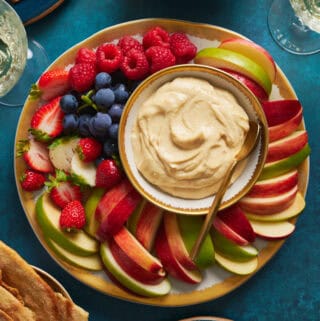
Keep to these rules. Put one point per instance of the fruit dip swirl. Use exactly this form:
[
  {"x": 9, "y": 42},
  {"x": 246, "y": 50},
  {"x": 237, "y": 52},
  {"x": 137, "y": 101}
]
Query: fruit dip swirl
[{"x": 185, "y": 136}]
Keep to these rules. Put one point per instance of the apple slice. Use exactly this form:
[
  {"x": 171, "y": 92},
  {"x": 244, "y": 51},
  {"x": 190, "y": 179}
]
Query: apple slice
[
  {"x": 136, "y": 252},
  {"x": 115, "y": 207},
  {"x": 280, "y": 111},
  {"x": 144, "y": 223},
  {"x": 284, "y": 165},
  {"x": 170, "y": 263},
  {"x": 287, "y": 146},
  {"x": 234, "y": 225},
  {"x": 175, "y": 241},
  {"x": 273, "y": 230},
  {"x": 253, "y": 51},
  {"x": 268, "y": 205},
  {"x": 91, "y": 262},
  {"x": 256, "y": 89},
  {"x": 83, "y": 173},
  {"x": 275, "y": 186},
  {"x": 190, "y": 227},
  {"x": 90, "y": 209},
  {"x": 284, "y": 129},
  {"x": 134, "y": 269},
  {"x": 147, "y": 290},
  {"x": 294, "y": 210},
  {"x": 232, "y": 250},
  {"x": 77, "y": 242},
  {"x": 236, "y": 267},
  {"x": 223, "y": 58}
]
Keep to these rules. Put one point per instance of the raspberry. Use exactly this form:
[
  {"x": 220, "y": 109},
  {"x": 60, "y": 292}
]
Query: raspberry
[
  {"x": 182, "y": 48},
  {"x": 127, "y": 43},
  {"x": 135, "y": 65},
  {"x": 159, "y": 58},
  {"x": 73, "y": 216},
  {"x": 81, "y": 76},
  {"x": 85, "y": 55},
  {"x": 156, "y": 37},
  {"x": 109, "y": 57}
]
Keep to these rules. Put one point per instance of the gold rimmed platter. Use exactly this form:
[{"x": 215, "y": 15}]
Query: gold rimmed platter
[{"x": 217, "y": 282}]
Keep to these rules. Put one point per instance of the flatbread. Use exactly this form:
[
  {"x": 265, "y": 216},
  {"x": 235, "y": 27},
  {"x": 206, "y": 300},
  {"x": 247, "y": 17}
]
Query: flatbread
[{"x": 4, "y": 316}]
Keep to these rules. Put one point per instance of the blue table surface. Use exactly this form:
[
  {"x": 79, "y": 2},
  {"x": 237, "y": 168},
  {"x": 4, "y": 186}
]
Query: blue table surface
[{"x": 288, "y": 287}]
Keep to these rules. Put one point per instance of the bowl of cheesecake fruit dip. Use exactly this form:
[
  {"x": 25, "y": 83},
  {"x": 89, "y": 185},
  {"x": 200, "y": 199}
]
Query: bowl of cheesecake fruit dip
[{"x": 180, "y": 130}]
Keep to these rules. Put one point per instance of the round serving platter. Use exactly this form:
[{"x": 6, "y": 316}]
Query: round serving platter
[{"x": 217, "y": 282}]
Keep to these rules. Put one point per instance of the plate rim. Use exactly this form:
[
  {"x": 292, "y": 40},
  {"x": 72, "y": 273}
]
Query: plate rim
[{"x": 94, "y": 281}]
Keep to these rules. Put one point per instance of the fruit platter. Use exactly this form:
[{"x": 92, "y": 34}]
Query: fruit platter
[{"x": 88, "y": 215}]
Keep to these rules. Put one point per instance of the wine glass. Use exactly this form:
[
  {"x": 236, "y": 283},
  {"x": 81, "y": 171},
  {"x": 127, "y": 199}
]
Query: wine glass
[
  {"x": 21, "y": 61},
  {"x": 295, "y": 25}
]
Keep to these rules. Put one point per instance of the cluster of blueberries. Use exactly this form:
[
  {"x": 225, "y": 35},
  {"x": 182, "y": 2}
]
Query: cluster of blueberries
[{"x": 97, "y": 114}]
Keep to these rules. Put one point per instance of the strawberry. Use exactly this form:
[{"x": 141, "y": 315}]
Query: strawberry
[
  {"x": 51, "y": 84},
  {"x": 47, "y": 121},
  {"x": 86, "y": 55},
  {"x": 72, "y": 216},
  {"x": 81, "y": 76},
  {"x": 31, "y": 180},
  {"x": 108, "y": 174},
  {"x": 35, "y": 154},
  {"x": 88, "y": 149},
  {"x": 61, "y": 190}
]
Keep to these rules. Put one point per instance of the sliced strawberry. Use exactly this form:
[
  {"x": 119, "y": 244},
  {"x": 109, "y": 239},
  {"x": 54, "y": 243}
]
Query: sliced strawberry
[
  {"x": 36, "y": 155},
  {"x": 63, "y": 191},
  {"x": 54, "y": 83},
  {"x": 47, "y": 121}
]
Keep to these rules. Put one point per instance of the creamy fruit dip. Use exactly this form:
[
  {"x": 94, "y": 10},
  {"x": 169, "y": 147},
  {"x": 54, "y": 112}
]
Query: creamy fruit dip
[{"x": 185, "y": 136}]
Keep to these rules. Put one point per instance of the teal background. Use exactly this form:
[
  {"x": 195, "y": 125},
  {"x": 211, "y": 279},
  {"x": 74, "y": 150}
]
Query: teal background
[{"x": 288, "y": 287}]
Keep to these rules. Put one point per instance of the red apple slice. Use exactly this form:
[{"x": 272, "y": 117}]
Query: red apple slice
[
  {"x": 175, "y": 241},
  {"x": 280, "y": 111},
  {"x": 134, "y": 269},
  {"x": 227, "y": 59},
  {"x": 292, "y": 211},
  {"x": 136, "y": 252},
  {"x": 256, "y": 89},
  {"x": 274, "y": 186},
  {"x": 234, "y": 225},
  {"x": 115, "y": 207},
  {"x": 253, "y": 51},
  {"x": 170, "y": 263},
  {"x": 284, "y": 129},
  {"x": 147, "y": 224},
  {"x": 268, "y": 205},
  {"x": 273, "y": 230},
  {"x": 287, "y": 146}
]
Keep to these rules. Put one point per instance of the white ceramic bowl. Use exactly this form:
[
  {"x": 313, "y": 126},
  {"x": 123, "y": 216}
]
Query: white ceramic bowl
[{"x": 219, "y": 79}]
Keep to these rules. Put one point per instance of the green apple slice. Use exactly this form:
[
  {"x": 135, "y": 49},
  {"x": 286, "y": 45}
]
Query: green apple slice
[
  {"x": 292, "y": 211},
  {"x": 77, "y": 242},
  {"x": 83, "y": 173},
  {"x": 190, "y": 228},
  {"x": 90, "y": 209},
  {"x": 240, "y": 268},
  {"x": 91, "y": 262},
  {"x": 149, "y": 290},
  {"x": 232, "y": 250},
  {"x": 223, "y": 58},
  {"x": 285, "y": 165},
  {"x": 134, "y": 217}
]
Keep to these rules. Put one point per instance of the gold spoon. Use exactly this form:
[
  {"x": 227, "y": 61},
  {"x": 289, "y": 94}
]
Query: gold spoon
[
  {"x": 247, "y": 147},
  {"x": 205, "y": 318}
]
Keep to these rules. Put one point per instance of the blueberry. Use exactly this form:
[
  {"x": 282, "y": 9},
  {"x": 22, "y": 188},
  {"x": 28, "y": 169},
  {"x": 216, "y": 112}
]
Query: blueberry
[
  {"x": 113, "y": 131},
  {"x": 110, "y": 148},
  {"x": 99, "y": 124},
  {"x": 69, "y": 103},
  {"x": 115, "y": 112},
  {"x": 104, "y": 98},
  {"x": 84, "y": 121},
  {"x": 102, "y": 80},
  {"x": 70, "y": 124},
  {"x": 121, "y": 94}
]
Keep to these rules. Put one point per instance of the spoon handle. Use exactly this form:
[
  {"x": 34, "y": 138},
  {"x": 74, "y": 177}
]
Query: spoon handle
[
  {"x": 205, "y": 318},
  {"x": 207, "y": 224}
]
